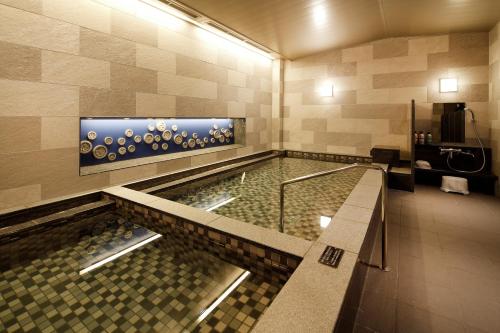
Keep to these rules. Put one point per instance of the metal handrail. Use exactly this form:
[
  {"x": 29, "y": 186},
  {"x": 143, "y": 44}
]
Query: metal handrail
[{"x": 329, "y": 172}]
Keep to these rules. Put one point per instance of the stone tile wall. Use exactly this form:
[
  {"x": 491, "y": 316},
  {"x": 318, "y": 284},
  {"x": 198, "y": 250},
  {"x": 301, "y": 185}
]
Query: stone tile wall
[
  {"x": 373, "y": 86},
  {"x": 494, "y": 105},
  {"x": 61, "y": 60}
]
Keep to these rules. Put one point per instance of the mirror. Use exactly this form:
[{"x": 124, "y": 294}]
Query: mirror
[{"x": 448, "y": 122}]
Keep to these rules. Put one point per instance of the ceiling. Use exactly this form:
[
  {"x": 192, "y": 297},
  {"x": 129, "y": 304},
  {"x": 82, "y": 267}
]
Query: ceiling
[{"x": 296, "y": 28}]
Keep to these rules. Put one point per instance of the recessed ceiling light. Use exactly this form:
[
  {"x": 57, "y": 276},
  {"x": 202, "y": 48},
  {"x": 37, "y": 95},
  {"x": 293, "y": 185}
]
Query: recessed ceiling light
[{"x": 319, "y": 15}]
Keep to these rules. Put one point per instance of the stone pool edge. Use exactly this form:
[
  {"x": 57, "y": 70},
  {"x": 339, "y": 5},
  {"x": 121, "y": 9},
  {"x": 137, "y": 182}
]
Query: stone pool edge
[{"x": 312, "y": 298}]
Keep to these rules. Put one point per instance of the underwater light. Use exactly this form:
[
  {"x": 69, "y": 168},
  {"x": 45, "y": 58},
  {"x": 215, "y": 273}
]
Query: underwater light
[
  {"x": 119, "y": 254},
  {"x": 324, "y": 221},
  {"x": 220, "y": 204},
  {"x": 222, "y": 297}
]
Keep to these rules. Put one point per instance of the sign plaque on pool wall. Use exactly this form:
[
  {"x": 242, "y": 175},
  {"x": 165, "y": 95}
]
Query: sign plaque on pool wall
[
  {"x": 331, "y": 256},
  {"x": 110, "y": 140}
]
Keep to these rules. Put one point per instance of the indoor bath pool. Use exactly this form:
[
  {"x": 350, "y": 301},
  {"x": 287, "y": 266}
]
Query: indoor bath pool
[
  {"x": 251, "y": 194},
  {"x": 107, "y": 273}
]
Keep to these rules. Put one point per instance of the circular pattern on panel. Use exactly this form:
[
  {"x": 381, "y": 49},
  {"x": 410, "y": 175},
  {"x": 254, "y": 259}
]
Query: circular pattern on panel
[
  {"x": 92, "y": 135},
  {"x": 164, "y": 146},
  {"x": 121, "y": 141},
  {"x": 161, "y": 125},
  {"x": 178, "y": 139},
  {"x": 137, "y": 139},
  {"x": 122, "y": 150},
  {"x": 148, "y": 138},
  {"x": 100, "y": 152},
  {"x": 129, "y": 132},
  {"x": 85, "y": 147},
  {"x": 154, "y": 146},
  {"x": 112, "y": 156},
  {"x": 166, "y": 135},
  {"x": 131, "y": 148},
  {"x": 108, "y": 140}
]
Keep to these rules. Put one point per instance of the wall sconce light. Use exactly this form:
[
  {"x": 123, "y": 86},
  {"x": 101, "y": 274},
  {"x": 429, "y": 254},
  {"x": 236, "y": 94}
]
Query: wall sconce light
[
  {"x": 448, "y": 85},
  {"x": 326, "y": 90}
]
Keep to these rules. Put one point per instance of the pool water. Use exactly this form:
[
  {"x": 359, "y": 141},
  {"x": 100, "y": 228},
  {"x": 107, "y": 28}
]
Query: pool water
[
  {"x": 252, "y": 194},
  {"x": 162, "y": 286}
]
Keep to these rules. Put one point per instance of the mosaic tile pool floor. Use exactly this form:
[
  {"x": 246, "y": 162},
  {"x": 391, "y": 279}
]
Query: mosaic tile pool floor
[
  {"x": 162, "y": 286},
  {"x": 252, "y": 195}
]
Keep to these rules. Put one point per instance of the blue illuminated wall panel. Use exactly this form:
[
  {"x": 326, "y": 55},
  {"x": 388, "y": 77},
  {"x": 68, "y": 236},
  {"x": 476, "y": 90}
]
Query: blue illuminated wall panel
[{"x": 115, "y": 128}]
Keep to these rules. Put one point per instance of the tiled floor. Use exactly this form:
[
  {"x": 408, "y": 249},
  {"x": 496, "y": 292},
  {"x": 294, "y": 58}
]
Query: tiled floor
[{"x": 444, "y": 250}]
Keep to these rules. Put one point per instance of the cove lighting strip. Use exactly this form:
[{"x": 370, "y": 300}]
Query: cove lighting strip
[
  {"x": 119, "y": 254},
  {"x": 222, "y": 297},
  {"x": 163, "y": 14}
]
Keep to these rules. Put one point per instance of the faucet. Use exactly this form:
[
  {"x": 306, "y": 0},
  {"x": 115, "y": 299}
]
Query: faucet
[{"x": 452, "y": 151}]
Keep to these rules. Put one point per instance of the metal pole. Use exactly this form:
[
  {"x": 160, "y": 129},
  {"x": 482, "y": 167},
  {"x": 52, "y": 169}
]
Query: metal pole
[
  {"x": 383, "y": 210},
  {"x": 282, "y": 208}
]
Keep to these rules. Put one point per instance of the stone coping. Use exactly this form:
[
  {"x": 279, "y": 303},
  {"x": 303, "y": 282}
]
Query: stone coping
[
  {"x": 312, "y": 298},
  {"x": 269, "y": 238}
]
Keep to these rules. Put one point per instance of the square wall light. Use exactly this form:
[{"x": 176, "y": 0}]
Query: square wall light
[
  {"x": 326, "y": 90},
  {"x": 448, "y": 85}
]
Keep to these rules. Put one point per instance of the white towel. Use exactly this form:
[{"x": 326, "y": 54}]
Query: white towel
[{"x": 423, "y": 164}]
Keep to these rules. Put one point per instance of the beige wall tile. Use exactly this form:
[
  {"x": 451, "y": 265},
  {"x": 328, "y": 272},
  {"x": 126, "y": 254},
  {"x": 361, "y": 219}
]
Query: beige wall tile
[
  {"x": 390, "y": 48},
  {"x": 426, "y": 45},
  {"x": 155, "y": 59},
  {"x": 196, "y": 107},
  {"x": 236, "y": 109},
  {"x": 133, "y": 78},
  {"x": 246, "y": 95},
  {"x": 292, "y": 99},
  {"x": 19, "y": 196},
  {"x": 227, "y": 93},
  {"x": 106, "y": 102},
  {"x": 203, "y": 159},
  {"x": 372, "y": 96},
  {"x": 19, "y": 134},
  {"x": 189, "y": 67},
  {"x": 22, "y": 98},
  {"x": 20, "y": 62},
  {"x": 34, "y": 6},
  {"x": 472, "y": 40},
  {"x": 60, "y": 132},
  {"x": 305, "y": 73},
  {"x": 85, "y": 13},
  {"x": 245, "y": 66},
  {"x": 134, "y": 29},
  {"x": 236, "y": 79},
  {"x": 459, "y": 58},
  {"x": 129, "y": 174},
  {"x": 343, "y": 139},
  {"x": 360, "y": 126},
  {"x": 186, "y": 86},
  {"x": 173, "y": 165},
  {"x": 313, "y": 124},
  {"x": 393, "y": 65},
  {"x": 155, "y": 105},
  {"x": 106, "y": 47},
  {"x": 399, "y": 80},
  {"x": 405, "y": 95},
  {"x": 21, "y": 27},
  {"x": 347, "y": 150},
  {"x": 375, "y": 111},
  {"x": 69, "y": 69},
  {"x": 178, "y": 43},
  {"x": 358, "y": 54},
  {"x": 339, "y": 97},
  {"x": 345, "y": 69}
]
